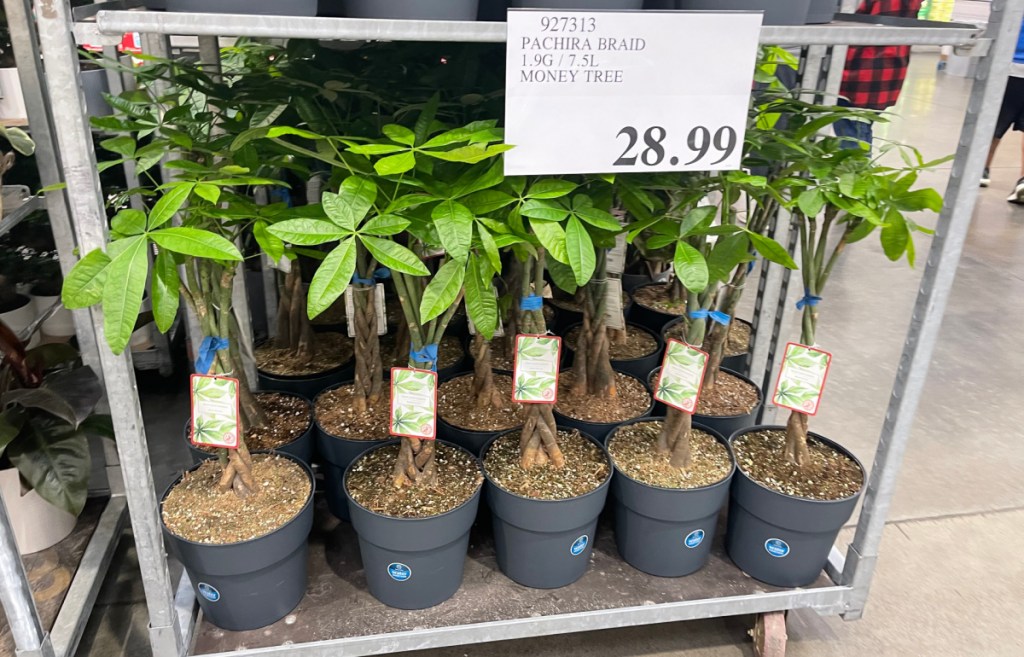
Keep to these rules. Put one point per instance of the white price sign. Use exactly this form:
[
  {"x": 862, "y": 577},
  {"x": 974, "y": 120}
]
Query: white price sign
[{"x": 609, "y": 92}]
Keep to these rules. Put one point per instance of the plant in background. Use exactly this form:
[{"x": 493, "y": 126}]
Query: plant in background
[
  {"x": 48, "y": 401},
  {"x": 21, "y": 143}
]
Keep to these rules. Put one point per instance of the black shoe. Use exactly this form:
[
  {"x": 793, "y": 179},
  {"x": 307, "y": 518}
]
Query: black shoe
[
  {"x": 986, "y": 178},
  {"x": 1018, "y": 193}
]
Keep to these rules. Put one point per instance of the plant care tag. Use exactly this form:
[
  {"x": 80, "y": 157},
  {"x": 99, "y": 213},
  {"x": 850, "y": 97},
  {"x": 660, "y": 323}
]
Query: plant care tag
[
  {"x": 802, "y": 378},
  {"x": 413, "y": 403},
  {"x": 535, "y": 371},
  {"x": 215, "y": 417},
  {"x": 615, "y": 261},
  {"x": 681, "y": 377},
  {"x": 655, "y": 115},
  {"x": 350, "y": 310},
  {"x": 614, "y": 317}
]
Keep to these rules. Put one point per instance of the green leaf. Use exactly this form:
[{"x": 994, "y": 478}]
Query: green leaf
[
  {"x": 348, "y": 207},
  {"x": 562, "y": 276},
  {"x": 552, "y": 237},
  {"x": 376, "y": 149},
  {"x": 209, "y": 192},
  {"x": 443, "y": 289},
  {"x": 148, "y": 156},
  {"x": 474, "y": 181},
  {"x": 454, "y": 224},
  {"x": 726, "y": 255},
  {"x": 487, "y": 201},
  {"x": 580, "y": 250},
  {"x": 83, "y": 286},
  {"x": 122, "y": 292},
  {"x": 811, "y": 202},
  {"x": 54, "y": 459},
  {"x": 394, "y": 256},
  {"x": 165, "y": 290},
  {"x": 395, "y": 164},
  {"x": 120, "y": 145},
  {"x": 272, "y": 245},
  {"x": 598, "y": 219},
  {"x": 385, "y": 224},
  {"x": 481, "y": 304},
  {"x": 307, "y": 232},
  {"x": 919, "y": 199},
  {"x": 169, "y": 204},
  {"x": 195, "y": 242},
  {"x": 129, "y": 222},
  {"x": 544, "y": 210},
  {"x": 771, "y": 250},
  {"x": 490, "y": 247},
  {"x": 691, "y": 268},
  {"x": 332, "y": 278},
  {"x": 697, "y": 219},
  {"x": 895, "y": 235},
  {"x": 400, "y": 134},
  {"x": 550, "y": 188}
]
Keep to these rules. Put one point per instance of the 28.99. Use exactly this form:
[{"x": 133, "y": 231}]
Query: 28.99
[{"x": 701, "y": 142}]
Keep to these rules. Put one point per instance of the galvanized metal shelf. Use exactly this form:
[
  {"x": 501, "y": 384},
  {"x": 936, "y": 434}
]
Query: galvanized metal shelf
[
  {"x": 851, "y": 30},
  {"x": 19, "y": 214},
  {"x": 849, "y": 572}
]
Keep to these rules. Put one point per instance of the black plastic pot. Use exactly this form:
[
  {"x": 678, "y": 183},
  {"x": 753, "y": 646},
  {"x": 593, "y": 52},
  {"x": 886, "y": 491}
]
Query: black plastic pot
[
  {"x": 544, "y": 544},
  {"x": 302, "y": 448},
  {"x": 578, "y": 4},
  {"x": 310, "y": 385},
  {"x": 469, "y": 439},
  {"x": 248, "y": 585},
  {"x": 598, "y": 430},
  {"x": 649, "y": 318},
  {"x": 638, "y": 367},
  {"x": 336, "y": 453},
  {"x": 780, "y": 539},
  {"x": 454, "y": 10},
  {"x": 252, "y": 7},
  {"x": 730, "y": 424},
  {"x": 632, "y": 281},
  {"x": 667, "y": 532},
  {"x": 413, "y": 563},
  {"x": 563, "y": 317},
  {"x": 737, "y": 363}
]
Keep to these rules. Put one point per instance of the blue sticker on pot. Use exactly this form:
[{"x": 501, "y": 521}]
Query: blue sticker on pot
[
  {"x": 694, "y": 538},
  {"x": 399, "y": 572},
  {"x": 209, "y": 592},
  {"x": 579, "y": 545},
  {"x": 776, "y": 547}
]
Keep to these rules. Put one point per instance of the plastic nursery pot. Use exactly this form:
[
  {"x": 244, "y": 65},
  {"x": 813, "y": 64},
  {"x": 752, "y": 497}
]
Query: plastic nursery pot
[
  {"x": 650, "y": 318},
  {"x": 730, "y": 424},
  {"x": 667, "y": 532},
  {"x": 638, "y": 367},
  {"x": 564, "y": 317},
  {"x": 413, "y": 563},
  {"x": 737, "y": 363},
  {"x": 248, "y": 585},
  {"x": 309, "y": 385},
  {"x": 301, "y": 448},
  {"x": 336, "y": 453},
  {"x": 544, "y": 544},
  {"x": 453, "y": 10},
  {"x": 780, "y": 539},
  {"x": 599, "y": 430},
  {"x": 469, "y": 439},
  {"x": 251, "y": 7},
  {"x": 632, "y": 281},
  {"x": 578, "y": 4},
  {"x": 776, "y": 12}
]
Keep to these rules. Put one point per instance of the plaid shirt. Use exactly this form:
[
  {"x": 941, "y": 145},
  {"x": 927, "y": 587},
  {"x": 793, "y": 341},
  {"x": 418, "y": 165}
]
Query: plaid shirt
[{"x": 874, "y": 74}]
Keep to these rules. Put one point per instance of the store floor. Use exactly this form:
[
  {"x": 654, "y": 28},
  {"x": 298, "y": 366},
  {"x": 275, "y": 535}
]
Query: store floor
[{"x": 950, "y": 576}]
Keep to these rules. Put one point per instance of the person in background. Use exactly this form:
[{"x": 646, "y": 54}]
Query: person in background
[
  {"x": 874, "y": 75},
  {"x": 1011, "y": 113}
]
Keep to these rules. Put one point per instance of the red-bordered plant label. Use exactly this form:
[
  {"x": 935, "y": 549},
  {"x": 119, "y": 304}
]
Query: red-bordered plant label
[
  {"x": 802, "y": 378},
  {"x": 413, "y": 403},
  {"x": 215, "y": 416},
  {"x": 681, "y": 377},
  {"x": 535, "y": 371}
]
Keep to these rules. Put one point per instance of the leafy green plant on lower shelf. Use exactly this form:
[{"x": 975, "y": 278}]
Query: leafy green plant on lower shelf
[{"x": 48, "y": 401}]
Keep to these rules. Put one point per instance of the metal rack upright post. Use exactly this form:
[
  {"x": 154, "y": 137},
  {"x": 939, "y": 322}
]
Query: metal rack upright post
[{"x": 844, "y": 591}]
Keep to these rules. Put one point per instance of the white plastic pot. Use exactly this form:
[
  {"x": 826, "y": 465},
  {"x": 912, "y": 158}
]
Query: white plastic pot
[
  {"x": 61, "y": 324},
  {"x": 21, "y": 318},
  {"x": 12, "y": 102},
  {"x": 37, "y": 523}
]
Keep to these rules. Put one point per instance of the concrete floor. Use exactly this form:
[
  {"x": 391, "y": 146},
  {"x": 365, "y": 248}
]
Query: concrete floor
[{"x": 950, "y": 578}]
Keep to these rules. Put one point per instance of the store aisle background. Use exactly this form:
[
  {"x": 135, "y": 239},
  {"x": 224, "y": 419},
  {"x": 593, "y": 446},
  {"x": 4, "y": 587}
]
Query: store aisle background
[{"x": 950, "y": 576}]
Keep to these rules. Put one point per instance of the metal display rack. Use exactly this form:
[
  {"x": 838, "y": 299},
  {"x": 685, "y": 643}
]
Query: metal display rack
[{"x": 722, "y": 591}]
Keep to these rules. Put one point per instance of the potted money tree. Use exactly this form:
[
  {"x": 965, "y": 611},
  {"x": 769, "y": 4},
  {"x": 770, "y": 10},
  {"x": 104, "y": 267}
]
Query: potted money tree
[{"x": 785, "y": 511}]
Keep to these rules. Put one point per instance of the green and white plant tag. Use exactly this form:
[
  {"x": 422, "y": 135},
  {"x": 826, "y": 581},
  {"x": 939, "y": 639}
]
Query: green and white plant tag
[
  {"x": 215, "y": 416},
  {"x": 681, "y": 377},
  {"x": 413, "y": 403},
  {"x": 535, "y": 371},
  {"x": 350, "y": 310},
  {"x": 802, "y": 378}
]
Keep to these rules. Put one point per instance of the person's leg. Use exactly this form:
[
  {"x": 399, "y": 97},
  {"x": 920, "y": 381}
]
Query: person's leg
[{"x": 1008, "y": 112}]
